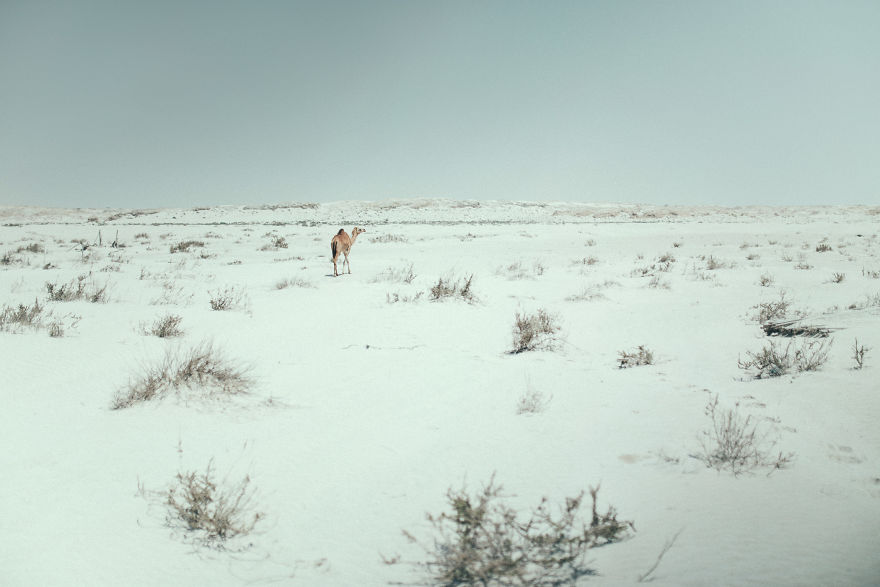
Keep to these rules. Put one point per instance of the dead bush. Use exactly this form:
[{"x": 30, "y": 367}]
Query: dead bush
[
  {"x": 202, "y": 370},
  {"x": 185, "y": 246},
  {"x": 17, "y": 318},
  {"x": 640, "y": 356},
  {"x": 483, "y": 541},
  {"x": 212, "y": 512},
  {"x": 858, "y": 355},
  {"x": 228, "y": 298},
  {"x": 453, "y": 288},
  {"x": 166, "y": 326},
  {"x": 775, "y": 360},
  {"x": 772, "y": 310},
  {"x": 534, "y": 331},
  {"x": 735, "y": 443},
  {"x": 402, "y": 274},
  {"x": 80, "y": 288}
]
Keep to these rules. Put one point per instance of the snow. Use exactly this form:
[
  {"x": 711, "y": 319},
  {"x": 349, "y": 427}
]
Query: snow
[{"x": 364, "y": 412}]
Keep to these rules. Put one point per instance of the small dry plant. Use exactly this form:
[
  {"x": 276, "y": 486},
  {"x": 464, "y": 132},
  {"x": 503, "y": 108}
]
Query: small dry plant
[
  {"x": 823, "y": 248},
  {"x": 166, "y": 326},
  {"x": 228, "y": 298},
  {"x": 212, "y": 513},
  {"x": 275, "y": 242},
  {"x": 453, "y": 288},
  {"x": 838, "y": 277},
  {"x": 534, "y": 332},
  {"x": 766, "y": 280},
  {"x": 482, "y": 540},
  {"x": 518, "y": 270},
  {"x": 186, "y": 246},
  {"x": 17, "y": 318},
  {"x": 402, "y": 274},
  {"x": 640, "y": 356},
  {"x": 80, "y": 288},
  {"x": 773, "y": 309},
  {"x": 532, "y": 401},
  {"x": 202, "y": 369},
  {"x": 858, "y": 355},
  {"x": 776, "y": 360},
  {"x": 389, "y": 238},
  {"x": 294, "y": 282},
  {"x": 734, "y": 443}
]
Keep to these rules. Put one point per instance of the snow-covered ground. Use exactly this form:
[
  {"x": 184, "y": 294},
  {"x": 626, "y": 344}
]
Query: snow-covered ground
[{"x": 365, "y": 410}]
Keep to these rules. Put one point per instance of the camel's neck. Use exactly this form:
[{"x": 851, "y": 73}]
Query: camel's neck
[{"x": 354, "y": 236}]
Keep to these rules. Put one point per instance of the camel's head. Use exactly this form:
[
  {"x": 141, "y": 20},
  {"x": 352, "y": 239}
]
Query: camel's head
[{"x": 357, "y": 231}]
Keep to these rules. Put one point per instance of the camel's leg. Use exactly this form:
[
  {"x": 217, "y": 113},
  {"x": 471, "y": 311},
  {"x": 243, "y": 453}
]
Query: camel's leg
[{"x": 346, "y": 264}]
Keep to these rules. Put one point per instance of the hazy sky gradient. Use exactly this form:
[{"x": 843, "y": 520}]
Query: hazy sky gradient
[{"x": 166, "y": 103}]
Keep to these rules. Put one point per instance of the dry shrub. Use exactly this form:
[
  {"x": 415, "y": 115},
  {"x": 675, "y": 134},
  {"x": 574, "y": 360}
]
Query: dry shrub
[
  {"x": 201, "y": 369},
  {"x": 16, "y": 318},
  {"x": 166, "y": 326},
  {"x": 227, "y": 298},
  {"x": 293, "y": 282},
  {"x": 534, "y": 331},
  {"x": 532, "y": 401},
  {"x": 774, "y": 360},
  {"x": 403, "y": 274},
  {"x": 80, "y": 288},
  {"x": 858, "y": 355},
  {"x": 773, "y": 310},
  {"x": 484, "y": 541},
  {"x": 185, "y": 246},
  {"x": 453, "y": 288},
  {"x": 213, "y": 512},
  {"x": 641, "y": 356},
  {"x": 735, "y": 443}
]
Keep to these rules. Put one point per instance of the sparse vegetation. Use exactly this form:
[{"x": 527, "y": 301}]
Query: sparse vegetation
[
  {"x": 838, "y": 277},
  {"x": 403, "y": 274},
  {"x": 766, "y": 280},
  {"x": 734, "y": 443},
  {"x": 275, "y": 242},
  {"x": 293, "y": 282},
  {"x": 388, "y": 238},
  {"x": 16, "y": 318},
  {"x": 483, "y": 541},
  {"x": 772, "y": 310},
  {"x": 202, "y": 369},
  {"x": 80, "y": 288},
  {"x": 166, "y": 326},
  {"x": 858, "y": 355},
  {"x": 532, "y": 401},
  {"x": 227, "y": 298},
  {"x": 186, "y": 246},
  {"x": 213, "y": 513},
  {"x": 534, "y": 332},
  {"x": 823, "y": 248},
  {"x": 775, "y": 360},
  {"x": 640, "y": 356},
  {"x": 452, "y": 288}
]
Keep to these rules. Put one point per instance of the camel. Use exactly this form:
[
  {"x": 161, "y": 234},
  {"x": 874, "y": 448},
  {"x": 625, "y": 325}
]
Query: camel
[{"x": 341, "y": 244}]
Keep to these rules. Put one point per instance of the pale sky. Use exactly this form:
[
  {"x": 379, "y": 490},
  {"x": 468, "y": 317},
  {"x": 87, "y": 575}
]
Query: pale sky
[{"x": 174, "y": 103}]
